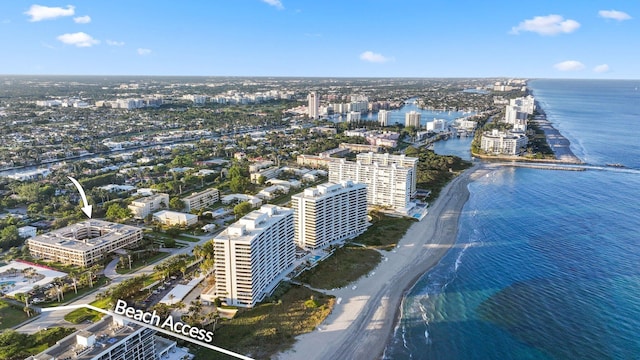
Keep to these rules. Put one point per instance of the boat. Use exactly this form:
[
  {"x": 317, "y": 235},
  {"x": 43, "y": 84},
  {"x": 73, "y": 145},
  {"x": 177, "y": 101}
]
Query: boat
[{"x": 618, "y": 165}]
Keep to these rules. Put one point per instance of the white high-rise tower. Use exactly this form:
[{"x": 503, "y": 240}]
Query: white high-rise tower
[{"x": 314, "y": 104}]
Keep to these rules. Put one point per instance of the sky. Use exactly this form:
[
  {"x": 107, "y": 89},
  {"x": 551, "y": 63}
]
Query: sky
[{"x": 328, "y": 38}]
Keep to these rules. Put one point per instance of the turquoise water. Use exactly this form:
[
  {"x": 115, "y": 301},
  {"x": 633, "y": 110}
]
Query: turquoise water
[{"x": 547, "y": 265}]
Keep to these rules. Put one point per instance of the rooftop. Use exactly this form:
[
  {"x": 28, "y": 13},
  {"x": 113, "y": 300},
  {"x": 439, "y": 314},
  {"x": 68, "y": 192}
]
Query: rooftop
[{"x": 86, "y": 235}]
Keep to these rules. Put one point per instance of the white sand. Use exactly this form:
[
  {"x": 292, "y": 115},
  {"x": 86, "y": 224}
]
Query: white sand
[{"x": 363, "y": 318}]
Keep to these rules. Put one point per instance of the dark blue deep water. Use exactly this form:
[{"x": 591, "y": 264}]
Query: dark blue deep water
[{"x": 547, "y": 263}]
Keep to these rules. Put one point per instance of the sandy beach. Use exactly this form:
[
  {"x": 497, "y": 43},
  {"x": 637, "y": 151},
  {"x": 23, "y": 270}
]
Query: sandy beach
[{"x": 366, "y": 311}]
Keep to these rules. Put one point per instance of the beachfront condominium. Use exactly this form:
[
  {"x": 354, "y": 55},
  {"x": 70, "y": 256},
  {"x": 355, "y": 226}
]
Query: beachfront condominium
[
  {"x": 412, "y": 118},
  {"x": 383, "y": 117},
  {"x": 141, "y": 208},
  {"x": 329, "y": 214},
  {"x": 201, "y": 200},
  {"x": 503, "y": 142},
  {"x": 314, "y": 105},
  {"x": 389, "y": 184},
  {"x": 114, "y": 338},
  {"x": 388, "y": 159},
  {"x": 85, "y": 243},
  {"x": 253, "y": 255}
]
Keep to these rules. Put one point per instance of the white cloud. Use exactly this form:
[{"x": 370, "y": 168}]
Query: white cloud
[
  {"x": 78, "y": 39},
  {"x": 39, "y": 12},
  {"x": 601, "y": 68},
  {"x": 82, "y": 19},
  {"x": 547, "y": 25},
  {"x": 569, "y": 65},
  {"x": 274, "y": 3},
  {"x": 143, "y": 51},
  {"x": 370, "y": 56},
  {"x": 614, "y": 14},
  {"x": 114, "y": 43}
]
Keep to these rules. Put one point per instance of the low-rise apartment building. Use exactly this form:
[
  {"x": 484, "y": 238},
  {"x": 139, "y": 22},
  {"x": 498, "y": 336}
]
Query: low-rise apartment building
[
  {"x": 201, "y": 200},
  {"x": 85, "y": 243},
  {"x": 142, "y": 207}
]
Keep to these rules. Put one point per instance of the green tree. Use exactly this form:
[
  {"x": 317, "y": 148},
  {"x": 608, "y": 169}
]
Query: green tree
[
  {"x": 169, "y": 242},
  {"x": 176, "y": 203},
  {"x": 116, "y": 211},
  {"x": 9, "y": 237},
  {"x": 173, "y": 231},
  {"x": 238, "y": 184},
  {"x": 242, "y": 209}
]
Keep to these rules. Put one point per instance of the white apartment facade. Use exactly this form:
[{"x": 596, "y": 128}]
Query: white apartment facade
[
  {"x": 85, "y": 243},
  {"x": 388, "y": 159},
  {"x": 387, "y": 185},
  {"x": 201, "y": 200},
  {"x": 329, "y": 214},
  {"x": 501, "y": 142},
  {"x": 141, "y": 208},
  {"x": 383, "y": 117},
  {"x": 253, "y": 255}
]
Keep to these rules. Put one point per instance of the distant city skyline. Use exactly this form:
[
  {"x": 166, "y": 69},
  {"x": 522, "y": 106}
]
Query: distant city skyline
[{"x": 382, "y": 38}]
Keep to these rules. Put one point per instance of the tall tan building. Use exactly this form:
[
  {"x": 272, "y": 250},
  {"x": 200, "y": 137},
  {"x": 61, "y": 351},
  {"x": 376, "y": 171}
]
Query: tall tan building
[
  {"x": 412, "y": 118},
  {"x": 253, "y": 255},
  {"x": 314, "y": 105},
  {"x": 329, "y": 214}
]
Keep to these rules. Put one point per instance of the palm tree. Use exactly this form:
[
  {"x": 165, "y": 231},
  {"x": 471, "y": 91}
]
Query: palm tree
[{"x": 73, "y": 275}]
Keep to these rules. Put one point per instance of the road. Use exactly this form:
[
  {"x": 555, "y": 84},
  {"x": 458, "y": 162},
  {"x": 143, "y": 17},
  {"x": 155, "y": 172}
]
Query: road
[{"x": 56, "y": 318}]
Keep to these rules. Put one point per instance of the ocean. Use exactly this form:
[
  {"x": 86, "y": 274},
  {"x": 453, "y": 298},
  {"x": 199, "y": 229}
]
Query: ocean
[{"x": 547, "y": 263}]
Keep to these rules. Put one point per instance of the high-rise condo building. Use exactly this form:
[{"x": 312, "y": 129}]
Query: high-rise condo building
[
  {"x": 383, "y": 117},
  {"x": 388, "y": 159},
  {"x": 253, "y": 255},
  {"x": 388, "y": 183},
  {"x": 329, "y": 214},
  {"x": 412, "y": 118},
  {"x": 314, "y": 105}
]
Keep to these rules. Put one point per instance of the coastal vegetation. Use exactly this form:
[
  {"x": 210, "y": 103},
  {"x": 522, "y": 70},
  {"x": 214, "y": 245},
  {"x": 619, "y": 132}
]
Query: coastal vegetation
[
  {"x": 271, "y": 326},
  {"x": 384, "y": 232},
  {"x": 435, "y": 171},
  {"x": 346, "y": 265},
  {"x": 17, "y": 346}
]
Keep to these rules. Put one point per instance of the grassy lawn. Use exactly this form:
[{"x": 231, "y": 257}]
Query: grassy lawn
[
  {"x": 270, "y": 327},
  {"x": 83, "y": 314},
  {"x": 137, "y": 264},
  {"x": 187, "y": 238},
  {"x": 346, "y": 265},
  {"x": 10, "y": 316},
  {"x": 71, "y": 295},
  {"x": 385, "y": 232}
]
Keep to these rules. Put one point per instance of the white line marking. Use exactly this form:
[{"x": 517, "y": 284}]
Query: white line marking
[{"x": 167, "y": 332}]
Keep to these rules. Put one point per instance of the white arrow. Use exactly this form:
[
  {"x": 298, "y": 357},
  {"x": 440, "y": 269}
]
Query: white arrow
[{"x": 86, "y": 209}]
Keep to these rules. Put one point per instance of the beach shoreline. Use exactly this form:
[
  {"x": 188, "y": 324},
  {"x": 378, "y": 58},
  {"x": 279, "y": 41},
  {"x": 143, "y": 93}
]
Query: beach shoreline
[{"x": 367, "y": 312}]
